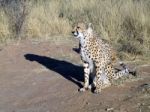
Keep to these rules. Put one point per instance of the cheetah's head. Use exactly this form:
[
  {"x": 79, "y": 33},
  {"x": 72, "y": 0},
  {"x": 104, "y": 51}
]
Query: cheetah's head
[{"x": 81, "y": 29}]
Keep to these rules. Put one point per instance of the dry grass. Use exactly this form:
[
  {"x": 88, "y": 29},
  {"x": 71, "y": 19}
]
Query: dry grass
[
  {"x": 123, "y": 23},
  {"x": 5, "y": 32},
  {"x": 44, "y": 21}
]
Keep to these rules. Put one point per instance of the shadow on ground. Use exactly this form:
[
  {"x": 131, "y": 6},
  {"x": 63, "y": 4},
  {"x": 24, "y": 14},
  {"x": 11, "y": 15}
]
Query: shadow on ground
[
  {"x": 77, "y": 50},
  {"x": 68, "y": 70}
]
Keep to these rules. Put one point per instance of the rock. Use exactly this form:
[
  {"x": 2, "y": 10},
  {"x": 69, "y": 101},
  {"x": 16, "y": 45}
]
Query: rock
[{"x": 109, "y": 109}]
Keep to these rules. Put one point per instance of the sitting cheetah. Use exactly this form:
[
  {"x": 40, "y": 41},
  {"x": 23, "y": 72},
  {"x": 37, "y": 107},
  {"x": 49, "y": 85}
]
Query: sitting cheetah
[{"x": 98, "y": 55}]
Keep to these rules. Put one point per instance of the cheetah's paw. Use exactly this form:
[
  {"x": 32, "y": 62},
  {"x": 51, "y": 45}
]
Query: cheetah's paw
[
  {"x": 82, "y": 89},
  {"x": 97, "y": 91},
  {"x": 90, "y": 87}
]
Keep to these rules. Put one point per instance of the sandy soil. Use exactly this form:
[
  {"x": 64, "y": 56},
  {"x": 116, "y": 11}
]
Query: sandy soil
[{"x": 46, "y": 76}]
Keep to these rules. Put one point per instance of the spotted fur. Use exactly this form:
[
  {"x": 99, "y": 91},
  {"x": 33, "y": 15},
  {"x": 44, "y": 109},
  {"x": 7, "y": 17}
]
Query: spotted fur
[{"x": 97, "y": 56}]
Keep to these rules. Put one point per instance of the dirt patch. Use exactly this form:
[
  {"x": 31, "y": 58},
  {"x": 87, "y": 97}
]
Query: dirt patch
[{"x": 45, "y": 77}]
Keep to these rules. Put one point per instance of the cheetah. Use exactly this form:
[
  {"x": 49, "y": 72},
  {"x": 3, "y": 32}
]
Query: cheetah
[{"x": 98, "y": 55}]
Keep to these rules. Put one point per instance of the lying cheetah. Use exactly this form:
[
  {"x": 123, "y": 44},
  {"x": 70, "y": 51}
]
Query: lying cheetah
[{"x": 98, "y": 55}]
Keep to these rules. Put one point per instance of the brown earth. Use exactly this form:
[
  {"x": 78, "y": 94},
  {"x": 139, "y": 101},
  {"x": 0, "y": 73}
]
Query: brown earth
[{"x": 45, "y": 77}]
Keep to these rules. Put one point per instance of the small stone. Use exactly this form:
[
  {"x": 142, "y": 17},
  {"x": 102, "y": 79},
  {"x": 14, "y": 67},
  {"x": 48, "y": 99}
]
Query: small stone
[{"x": 109, "y": 109}]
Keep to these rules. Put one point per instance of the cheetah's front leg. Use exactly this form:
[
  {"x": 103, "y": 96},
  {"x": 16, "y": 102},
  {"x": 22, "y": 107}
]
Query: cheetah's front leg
[
  {"x": 98, "y": 81},
  {"x": 86, "y": 77}
]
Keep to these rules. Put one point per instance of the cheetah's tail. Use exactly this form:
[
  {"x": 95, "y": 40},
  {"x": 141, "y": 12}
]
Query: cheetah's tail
[{"x": 124, "y": 66}]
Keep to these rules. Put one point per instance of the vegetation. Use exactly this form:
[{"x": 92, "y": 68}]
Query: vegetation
[{"x": 123, "y": 23}]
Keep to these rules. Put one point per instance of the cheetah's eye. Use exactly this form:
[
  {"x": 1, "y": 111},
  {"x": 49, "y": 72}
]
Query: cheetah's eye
[{"x": 78, "y": 27}]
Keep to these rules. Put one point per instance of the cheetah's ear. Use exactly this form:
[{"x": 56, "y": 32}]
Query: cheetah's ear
[
  {"x": 90, "y": 25},
  {"x": 90, "y": 29}
]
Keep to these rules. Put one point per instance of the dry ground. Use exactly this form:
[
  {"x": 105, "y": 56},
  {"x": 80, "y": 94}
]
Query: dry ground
[{"x": 45, "y": 77}]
